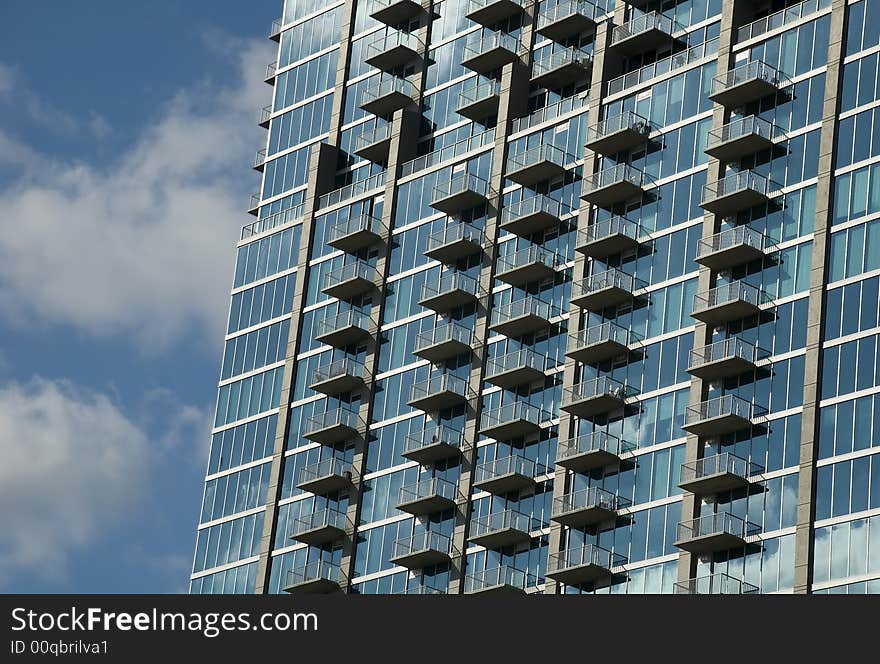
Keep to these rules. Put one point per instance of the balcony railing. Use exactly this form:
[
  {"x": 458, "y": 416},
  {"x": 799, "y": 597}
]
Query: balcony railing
[
  {"x": 427, "y": 496},
  {"x": 461, "y": 192},
  {"x": 530, "y": 264},
  {"x": 450, "y": 291},
  {"x": 486, "y": 51},
  {"x": 433, "y": 444},
  {"x": 588, "y": 507},
  {"x": 350, "y": 280},
  {"x": 560, "y": 68},
  {"x": 531, "y": 215},
  {"x": 271, "y": 72},
  {"x": 560, "y": 19},
  {"x": 601, "y": 342},
  {"x": 449, "y": 153},
  {"x": 728, "y": 302},
  {"x": 662, "y": 67},
  {"x": 605, "y": 289},
  {"x": 520, "y": 367},
  {"x": 373, "y": 143},
  {"x": 355, "y": 233},
  {"x": 513, "y": 420},
  {"x": 275, "y": 29},
  {"x": 333, "y": 426},
  {"x": 327, "y": 476},
  {"x": 338, "y": 377},
  {"x": 265, "y": 116},
  {"x": 597, "y": 396},
  {"x": 731, "y": 247},
  {"x": 500, "y": 579},
  {"x": 591, "y": 451},
  {"x": 321, "y": 527},
  {"x": 736, "y": 192},
  {"x": 741, "y": 137},
  {"x": 721, "y": 415},
  {"x": 644, "y": 33},
  {"x": 715, "y": 532},
  {"x": 392, "y": 49},
  {"x": 320, "y": 576},
  {"x": 583, "y": 564},
  {"x": 537, "y": 164},
  {"x": 523, "y": 316},
  {"x": 260, "y": 160},
  {"x": 780, "y": 19},
  {"x": 480, "y": 100},
  {"x": 747, "y": 83},
  {"x": 443, "y": 342},
  {"x": 454, "y": 241},
  {"x": 489, "y": 12},
  {"x": 387, "y": 94},
  {"x": 506, "y": 474},
  {"x": 422, "y": 550},
  {"x": 345, "y": 328},
  {"x": 502, "y": 529},
  {"x": 717, "y": 473},
  {"x": 715, "y": 584},
  {"x": 618, "y": 133},
  {"x": 615, "y": 184},
  {"x": 727, "y": 357},
  {"x": 438, "y": 392},
  {"x": 608, "y": 237}
]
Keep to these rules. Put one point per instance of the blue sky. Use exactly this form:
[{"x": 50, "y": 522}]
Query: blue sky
[{"x": 126, "y": 135}]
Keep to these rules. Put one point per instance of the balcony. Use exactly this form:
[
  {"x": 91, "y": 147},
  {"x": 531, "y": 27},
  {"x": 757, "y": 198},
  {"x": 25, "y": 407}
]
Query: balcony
[
  {"x": 395, "y": 12},
  {"x": 487, "y": 51},
  {"x": 643, "y": 34},
  {"x": 583, "y": 564},
  {"x": 386, "y": 94},
  {"x": 318, "y": 577},
  {"x": 601, "y": 342},
  {"x": 504, "y": 579},
  {"x": 591, "y": 452},
  {"x": 333, "y": 427},
  {"x": 501, "y": 529},
  {"x": 598, "y": 396},
  {"x": 605, "y": 289},
  {"x": 422, "y": 550},
  {"x": 320, "y": 528},
  {"x": 451, "y": 291},
  {"x": 715, "y": 584},
  {"x": 344, "y": 329},
  {"x": 608, "y": 237},
  {"x": 561, "y": 68},
  {"x": 275, "y": 30},
  {"x": 728, "y": 302},
  {"x": 731, "y": 247},
  {"x": 439, "y": 392},
  {"x": 749, "y": 82},
  {"x": 479, "y": 101},
  {"x": 433, "y": 444},
  {"x": 715, "y": 532},
  {"x": 325, "y": 477},
  {"x": 260, "y": 160},
  {"x": 587, "y": 508},
  {"x": 538, "y": 164},
  {"x": 265, "y": 116},
  {"x": 725, "y": 358},
  {"x": 428, "y": 496},
  {"x": 736, "y": 192},
  {"x": 444, "y": 342},
  {"x": 721, "y": 415},
  {"x": 453, "y": 242},
  {"x": 254, "y": 206},
  {"x": 271, "y": 73},
  {"x": 515, "y": 369},
  {"x": 513, "y": 420},
  {"x": 339, "y": 377},
  {"x": 355, "y": 233},
  {"x": 521, "y": 317},
  {"x": 618, "y": 133},
  {"x": 716, "y": 474},
  {"x": 525, "y": 266},
  {"x": 531, "y": 215},
  {"x": 489, "y": 12},
  {"x": 566, "y": 18},
  {"x": 507, "y": 474},
  {"x": 741, "y": 138},
  {"x": 350, "y": 281},
  {"x": 374, "y": 144},
  {"x": 617, "y": 184},
  {"x": 464, "y": 191},
  {"x": 392, "y": 50}
]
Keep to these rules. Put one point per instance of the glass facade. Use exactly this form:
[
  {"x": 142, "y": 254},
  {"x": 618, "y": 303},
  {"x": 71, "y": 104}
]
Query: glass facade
[{"x": 556, "y": 297}]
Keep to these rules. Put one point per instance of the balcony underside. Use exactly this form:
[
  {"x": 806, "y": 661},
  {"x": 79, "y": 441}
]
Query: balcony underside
[
  {"x": 397, "y": 12},
  {"x": 489, "y": 60},
  {"x": 746, "y": 92},
  {"x": 314, "y": 587},
  {"x": 527, "y": 273},
  {"x": 510, "y": 429},
  {"x": 343, "y": 336},
  {"x": 421, "y": 559},
  {"x": 493, "y": 12},
  {"x": 377, "y": 151},
  {"x": 448, "y": 300},
  {"x": 338, "y": 385},
  {"x": 501, "y": 484},
  {"x": 432, "y": 452},
  {"x": 726, "y": 312},
  {"x": 608, "y": 245},
  {"x": 736, "y": 254},
  {"x": 388, "y": 103},
  {"x": 451, "y": 251},
  {"x": 350, "y": 288},
  {"x": 498, "y": 539},
  {"x": 566, "y": 26},
  {"x": 521, "y": 325},
  {"x": 582, "y": 517},
  {"x": 711, "y": 543},
  {"x": 534, "y": 173},
  {"x": 718, "y": 426},
  {"x": 710, "y": 485},
  {"x": 593, "y": 406},
  {"x": 443, "y": 350},
  {"x": 737, "y": 201},
  {"x": 459, "y": 201},
  {"x": 332, "y": 434},
  {"x": 516, "y": 376},
  {"x": 589, "y": 460},
  {"x": 531, "y": 222},
  {"x": 436, "y": 401},
  {"x": 356, "y": 240},
  {"x": 498, "y": 589},
  {"x": 622, "y": 140},
  {"x": 734, "y": 149},
  {"x": 611, "y": 194},
  {"x": 426, "y": 505},
  {"x": 602, "y": 298},
  {"x": 723, "y": 368},
  {"x": 319, "y": 535},
  {"x": 480, "y": 109},
  {"x": 577, "y": 574},
  {"x": 597, "y": 352},
  {"x": 393, "y": 57},
  {"x": 562, "y": 76},
  {"x": 330, "y": 483},
  {"x": 643, "y": 42}
]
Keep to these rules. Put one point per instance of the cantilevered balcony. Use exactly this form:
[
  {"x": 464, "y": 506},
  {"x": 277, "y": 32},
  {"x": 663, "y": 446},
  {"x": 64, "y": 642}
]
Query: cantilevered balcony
[
  {"x": 450, "y": 291},
  {"x": 731, "y": 247},
  {"x": 327, "y": 476},
  {"x": 618, "y": 133},
  {"x": 443, "y": 342},
  {"x": 254, "y": 206},
  {"x": 511, "y": 370},
  {"x": 507, "y": 474},
  {"x": 736, "y": 192},
  {"x": 438, "y": 392},
  {"x": 521, "y": 317},
  {"x": 716, "y": 474},
  {"x": 588, "y": 507},
  {"x": 616, "y": 184},
  {"x": 601, "y": 342},
  {"x": 421, "y": 589},
  {"x": 385, "y": 94},
  {"x": 531, "y": 215},
  {"x": 355, "y": 233},
  {"x": 275, "y": 30},
  {"x": 343, "y": 329},
  {"x": 265, "y": 116},
  {"x": 333, "y": 426},
  {"x": 486, "y": 51},
  {"x": 512, "y": 420},
  {"x": 608, "y": 237},
  {"x": 583, "y": 564},
  {"x": 725, "y": 358},
  {"x": 271, "y": 73},
  {"x": 495, "y": 531},
  {"x": 592, "y": 451},
  {"x": 528, "y": 265},
  {"x": 454, "y": 241},
  {"x": 464, "y": 191},
  {"x": 318, "y": 577},
  {"x": 351, "y": 280},
  {"x": 490, "y": 12},
  {"x": 395, "y": 12},
  {"x": 339, "y": 377},
  {"x": 721, "y": 415},
  {"x": 503, "y": 579},
  {"x": 393, "y": 49},
  {"x": 479, "y": 100},
  {"x": 433, "y": 444},
  {"x": 558, "y": 69},
  {"x": 597, "y": 396},
  {"x": 605, "y": 289},
  {"x": 427, "y": 496},
  {"x": 740, "y": 138},
  {"x": 728, "y": 302},
  {"x": 716, "y": 584},
  {"x": 747, "y": 83},
  {"x": 644, "y": 33},
  {"x": 260, "y": 160},
  {"x": 374, "y": 143},
  {"x": 538, "y": 164},
  {"x": 715, "y": 532},
  {"x": 422, "y": 550},
  {"x": 566, "y": 18},
  {"x": 320, "y": 528}
]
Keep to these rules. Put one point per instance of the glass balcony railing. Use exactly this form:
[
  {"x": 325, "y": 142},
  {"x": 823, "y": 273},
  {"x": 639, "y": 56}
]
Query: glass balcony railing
[
  {"x": 525, "y": 265},
  {"x": 602, "y": 341},
  {"x": 460, "y": 192},
  {"x": 582, "y": 564},
  {"x": 715, "y": 584},
  {"x": 513, "y": 419},
  {"x": 618, "y": 133},
  {"x": 386, "y": 94},
  {"x": 605, "y": 289},
  {"x": 428, "y": 488},
  {"x": 718, "y": 531},
  {"x": 718, "y": 465},
  {"x": 730, "y": 247},
  {"x": 749, "y": 127},
  {"x": 560, "y": 19},
  {"x": 592, "y": 450},
  {"x": 737, "y": 191},
  {"x": 329, "y": 519},
  {"x": 503, "y": 577},
  {"x": 608, "y": 236},
  {"x": 325, "y": 476},
  {"x": 644, "y": 32},
  {"x": 780, "y": 19},
  {"x": 506, "y": 467},
  {"x": 587, "y": 507},
  {"x": 316, "y": 576},
  {"x": 356, "y": 232},
  {"x": 421, "y": 589},
  {"x": 502, "y": 521},
  {"x": 271, "y": 71},
  {"x": 663, "y": 66},
  {"x": 422, "y": 542},
  {"x": 595, "y": 396},
  {"x": 538, "y": 163},
  {"x": 453, "y": 241},
  {"x": 275, "y": 29},
  {"x": 444, "y": 341},
  {"x": 343, "y": 328},
  {"x": 479, "y": 99},
  {"x": 486, "y": 51},
  {"x": 265, "y": 116},
  {"x": 438, "y": 392},
  {"x": 451, "y": 290},
  {"x": 740, "y": 354},
  {"x": 351, "y": 279},
  {"x": 727, "y": 302},
  {"x": 390, "y": 40},
  {"x": 439, "y": 442},
  {"x": 533, "y": 312},
  {"x": 372, "y": 137},
  {"x": 332, "y": 425},
  {"x": 721, "y": 415},
  {"x": 561, "y": 67},
  {"x": 524, "y": 360},
  {"x": 260, "y": 159},
  {"x": 619, "y": 173},
  {"x": 343, "y": 368},
  {"x": 490, "y": 12},
  {"x": 746, "y": 83},
  {"x": 532, "y": 214}
]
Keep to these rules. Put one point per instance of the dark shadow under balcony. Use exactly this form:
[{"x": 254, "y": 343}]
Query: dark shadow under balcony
[
  {"x": 350, "y": 281},
  {"x": 427, "y": 496},
  {"x": 451, "y": 291},
  {"x": 538, "y": 164},
  {"x": 592, "y": 451},
  {"x": 618, "y": 133},
  {"x": 715, "y": 532},
  {"x": 395, "y": 12},
  {"x": 716, "y": 474},
  {"x": 320, "y": 528},
  {"x": 584, "y": 564},
  {"x": 608, "y": 237},
  {"x": 479, "y": 101},
  {"x": 566, "y": 18},
  {"x": 433, "y": 444},
  {"x": 490, "y": 12},
  {"x": 355, "y": 233},
  {"x": 616, "y": 184},
  {"x": 344, "y": 329},
  {"x": 521, "y": 317},
  {"x": 486, "y": 51},
  {"x": 513, "y": 420},
  {"x": 464, "y": 191},
  {"x": 731, "y": 247},
  {"x": 444, "y": 342},
  {"x": 515, "y": 369},
  {"x": 715, "y": 584},
  {"x": 736, "y": 192},
  {"x": 588, "y": 507},
  {"x": 507, "y": 474},
  {"x": 600, "y": 343},
  {"x": 605, "y": 289},
  {"x": 740, "y": 138},
  {"x": 725, "y": 358},
  {"x": 501, "y": 529},
  {"x": 423, "y": 550},
  {"x": 644, "y": 33},
  {"x": 339, "y": 377},
  {"x": 728, "y": 302},
  {"x": 500, "y": 580},
  {"x": 439, "y": 392},
  {"x": 325, "y": 477},
  {"x": 374, "y": 144},
  {"x": 721, "y": 415},
  {"x": 393, "y": 50},
  {"x": 531, "y": 215},
  {"x": 386, "y": 93},
  {"x": 528, "y": 265},
  {"x": 747, "y": 83},
  {"x": 456, "y": 240},
  {"x": 559, "y": 69},
  {"x": 319, "y": 577},
  {"x": 598, "y": 396},
  {"x": 333, "y": 426}
]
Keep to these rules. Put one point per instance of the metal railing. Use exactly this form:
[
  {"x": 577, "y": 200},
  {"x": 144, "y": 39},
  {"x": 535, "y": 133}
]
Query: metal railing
[
  {"x": 715, "y": 584},
  {"x": 712, "y": 524},
  {"x": 549, "y": 113},
  {"x": 275, "y": 29},
  {"x": 424, "y": 541},
  {"x": 443, "y": 333},
  {"x": 439, "y": 435},
  {"x": 460, "y": 184},
  {"x": 718, "y": 464},
  {"x": 725, "y": 349},
  {"x": 421, "y": 589},
  {"x": 506, "y": 520},
  {"x": 362, "y": 222},
  {"x": 590, "y": 498},
  {"x": 552, "y": 12},
  {"x": 561, "y": 58},
  {"x": 538, "y": 154},
  {"x": 780, "y": 19},
  {"x": 372, "y": 136},
  {"x": 449, "y": 153},
  {"x": 427, "y": 488},
  {"x": 604, "y": 333},
  {"x": 524, "y": 357},
  {"x": 582, "y": 556},
  {"x": 373, "y": 183},
  {"x": 265, "y": 114},
  {"x": 664, "y": 66},
  {"x": 611, "y": 278},
  {"x": 444, "y": 382},
  {"x": 255, "y": 201},
  {"x": 349, "y": 272},
  {"x": 271, "y": 70},
  {"x": 732, "y": 237},
  {"x": 271, "y": 221},
  {"x": 313, "y": 571},
  {"x": 736, "y": 182},
  {"x": 616, "y": 225},
  {"x": 479, "y": 91},
  {"x": 454, "y": 232},
  {"x": 750, "y": 71},
  {"x": 387, "y": 85},
  {"x": 260, "y": 158},
  {"x": 327, "y": 468},
  {"x": 527, "y": 306},
  {"x": 735, "y": 291},
  {"x": 531, "y": 205},
  {"x": 728, "y": 405},
  {"x": 642, "y": 24},
  {"x": 615, "y": 174},
  {"x": 751, "y": 125},
  {"x": 345, "y": 417},
  {"x": 618, "y": 123},
  {"x": 530, "y": 255},
  {"x": 510, "y": 465},
  {"x": 597, "y": 441},
  {"x": 325, "y": 518},
  {"x": 514, "y": 412},
  {"x": 392, "y": 39},
  {"x": 495, "y": 576},
  {"x": 597, "y": 387},
  {"x": 478, "y": 43},
  {"x": 448, "y": 283},
  {"x": 344, "y": 366}
]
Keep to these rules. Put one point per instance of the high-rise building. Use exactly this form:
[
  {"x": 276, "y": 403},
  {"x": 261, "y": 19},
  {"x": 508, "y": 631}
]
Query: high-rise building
[{"x": 557, "y": 297}]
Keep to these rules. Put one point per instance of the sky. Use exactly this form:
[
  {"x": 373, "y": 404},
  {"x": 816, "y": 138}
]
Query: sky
[{"x": 127, "y": 132}]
